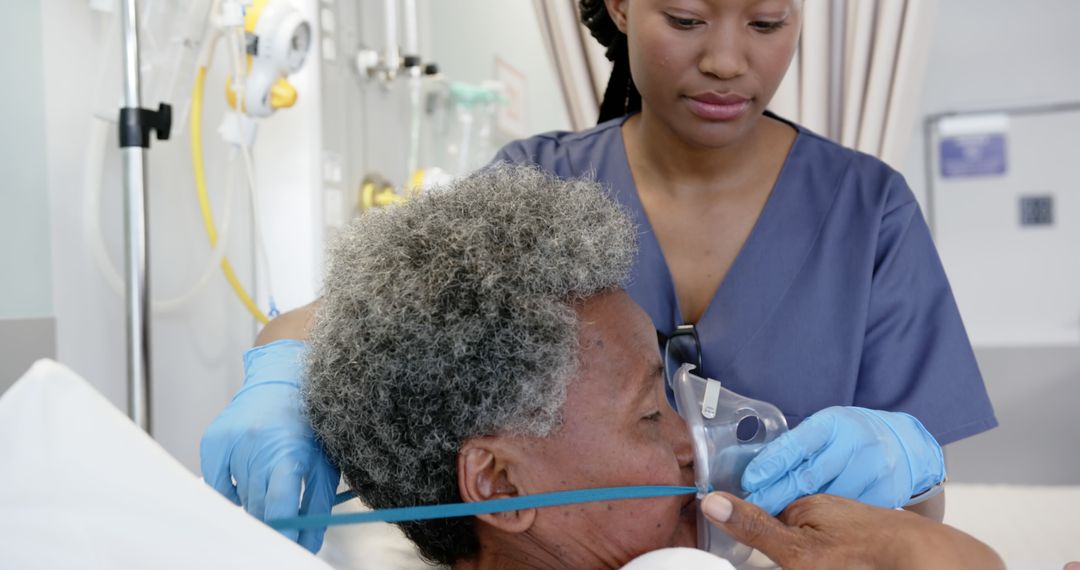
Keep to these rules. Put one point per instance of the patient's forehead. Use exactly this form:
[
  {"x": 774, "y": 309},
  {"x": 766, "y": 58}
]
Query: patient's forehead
[{"x": 616, "y": 343}]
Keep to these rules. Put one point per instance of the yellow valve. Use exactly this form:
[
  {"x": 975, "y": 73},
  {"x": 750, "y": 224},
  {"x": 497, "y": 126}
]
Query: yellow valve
[
  {"x": 376, "y": 195},
  {"x": 230, "y": 93},
  {"x": 377, "y": 192},
  {"x": 282, "y": 95},
  {"x": 417, "y": 182}
]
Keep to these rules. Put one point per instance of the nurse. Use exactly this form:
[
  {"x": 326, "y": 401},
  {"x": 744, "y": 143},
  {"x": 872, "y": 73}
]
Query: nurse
[{"x": 791, "y": 269}]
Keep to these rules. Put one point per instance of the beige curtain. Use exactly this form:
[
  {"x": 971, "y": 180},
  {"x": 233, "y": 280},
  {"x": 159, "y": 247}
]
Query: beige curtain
[
  {"x": 579, "y": 60},
  {"x": 857, "y": 76}
]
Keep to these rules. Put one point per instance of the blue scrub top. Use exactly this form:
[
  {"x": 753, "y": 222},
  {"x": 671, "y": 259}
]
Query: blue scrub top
[{"x": 838, "y": 296}]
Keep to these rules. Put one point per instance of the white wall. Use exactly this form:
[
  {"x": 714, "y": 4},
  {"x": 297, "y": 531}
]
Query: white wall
[
  {"x": 1019, "y": 285},
  {"x": 990, "y": 54},
  {"x": 27, "y": 326},
  {"x": 25, "y": 288}
]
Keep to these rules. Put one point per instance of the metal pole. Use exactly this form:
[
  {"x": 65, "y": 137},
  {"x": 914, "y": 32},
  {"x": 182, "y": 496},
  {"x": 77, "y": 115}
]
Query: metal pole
[{"x": 135, "y": 236}]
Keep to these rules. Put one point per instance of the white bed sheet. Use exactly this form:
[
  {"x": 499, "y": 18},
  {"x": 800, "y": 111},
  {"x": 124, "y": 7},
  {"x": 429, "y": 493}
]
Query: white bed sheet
[
  {"x": 1031, "y": 527},
  {"x": 82, "y": 487}
]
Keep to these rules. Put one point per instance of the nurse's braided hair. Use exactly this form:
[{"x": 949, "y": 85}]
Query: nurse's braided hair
[{"x": 621, "y": 96}]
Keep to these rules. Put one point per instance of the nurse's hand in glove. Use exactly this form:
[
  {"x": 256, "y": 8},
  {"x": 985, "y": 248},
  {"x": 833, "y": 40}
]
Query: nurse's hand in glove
[
  {"x": 263, "y": 442},
  {"x": 879, "y": 458}
]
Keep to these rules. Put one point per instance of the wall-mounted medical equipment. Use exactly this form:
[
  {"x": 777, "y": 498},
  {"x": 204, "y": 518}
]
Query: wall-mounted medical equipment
[
  {"x": 463, "y": 124},
  {"x": 460, "y": 123},
  {"x": 267, "y": 40},
  {"x": 727, "y": 431},
  {"x": 164, "y": 43},
  {"x": 400, "y": 58},
  {"x": 276, "y": 41}
]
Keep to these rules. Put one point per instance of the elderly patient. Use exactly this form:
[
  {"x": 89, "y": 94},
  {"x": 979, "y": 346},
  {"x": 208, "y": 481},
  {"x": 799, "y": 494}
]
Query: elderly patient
[{"x": 474, "y": 344}]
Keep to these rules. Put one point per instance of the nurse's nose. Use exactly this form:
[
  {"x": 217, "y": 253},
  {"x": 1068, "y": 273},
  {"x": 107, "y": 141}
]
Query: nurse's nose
[{"x": 724, "y": 56}]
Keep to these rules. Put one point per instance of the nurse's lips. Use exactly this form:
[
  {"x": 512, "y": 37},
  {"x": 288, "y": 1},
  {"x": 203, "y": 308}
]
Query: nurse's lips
[{"x": 713, "y": 106}]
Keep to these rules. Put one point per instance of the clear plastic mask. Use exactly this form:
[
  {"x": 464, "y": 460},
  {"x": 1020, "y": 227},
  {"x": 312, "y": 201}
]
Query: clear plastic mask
[{"x": 727, "y": 431}]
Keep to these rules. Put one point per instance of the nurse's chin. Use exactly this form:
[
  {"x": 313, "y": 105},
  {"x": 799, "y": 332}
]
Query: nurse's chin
[{"x": 717, "y": 135}]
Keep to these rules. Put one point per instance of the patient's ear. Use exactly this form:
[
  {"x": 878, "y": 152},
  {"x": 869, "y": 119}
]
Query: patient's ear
[{"x": 486, "y": 470}]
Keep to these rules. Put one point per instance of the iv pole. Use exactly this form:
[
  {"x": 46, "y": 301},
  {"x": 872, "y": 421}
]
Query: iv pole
[{"x": 135, "y": 125}]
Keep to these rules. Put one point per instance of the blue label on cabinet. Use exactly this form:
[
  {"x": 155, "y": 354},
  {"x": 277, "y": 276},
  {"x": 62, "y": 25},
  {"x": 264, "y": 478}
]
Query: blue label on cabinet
[{"x": 973, "y": 155}]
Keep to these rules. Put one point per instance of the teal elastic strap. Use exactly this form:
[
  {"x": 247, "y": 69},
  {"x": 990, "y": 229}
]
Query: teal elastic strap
[
  {"x": 342, "y": 497},
  {"x": 428, "y": 512}
]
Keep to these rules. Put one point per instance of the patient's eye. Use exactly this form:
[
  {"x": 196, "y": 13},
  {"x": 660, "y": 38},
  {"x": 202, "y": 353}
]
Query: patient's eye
[{"x": 653, "y": 417}]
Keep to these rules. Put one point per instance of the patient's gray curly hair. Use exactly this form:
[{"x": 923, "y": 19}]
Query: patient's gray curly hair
[{"x": 451, "y": 317}]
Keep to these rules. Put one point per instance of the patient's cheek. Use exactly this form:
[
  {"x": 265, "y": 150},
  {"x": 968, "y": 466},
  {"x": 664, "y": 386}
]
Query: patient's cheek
[
  {"x": 620, "y": 531},
  {"x": 655, "y": 523}
]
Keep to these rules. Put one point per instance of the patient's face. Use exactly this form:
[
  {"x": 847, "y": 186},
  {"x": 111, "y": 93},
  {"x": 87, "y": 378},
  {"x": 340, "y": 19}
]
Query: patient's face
[{"x": 618, "y": 430}]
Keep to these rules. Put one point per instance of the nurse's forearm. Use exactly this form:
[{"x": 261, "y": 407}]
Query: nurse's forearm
[
  {"x": 932, "y": 508},
  {"x": 293, "y": 325}
]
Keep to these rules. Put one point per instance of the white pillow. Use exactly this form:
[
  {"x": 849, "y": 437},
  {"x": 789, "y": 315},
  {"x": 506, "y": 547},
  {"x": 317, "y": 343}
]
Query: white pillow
[
  {"x": 678, "y": 559},
  {"x": 82, "y": 487}
]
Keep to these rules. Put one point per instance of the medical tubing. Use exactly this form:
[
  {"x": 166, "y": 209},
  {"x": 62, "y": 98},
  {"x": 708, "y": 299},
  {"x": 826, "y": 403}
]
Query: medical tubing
[
  {"x": 260, "y": 236},
  {"x": 465, "y": 116},
  {"x": 416, "y": 114},
  {"x": 92, "y": 232},
  {"x": 236, "y": 63},
  {"x": 428, "y": 512},
  {"x": 204, "y": 200},
  {"x": 236, "y": 47},
  {"x": 260, "y": 239},
  {"x": 95, "y": 240}
]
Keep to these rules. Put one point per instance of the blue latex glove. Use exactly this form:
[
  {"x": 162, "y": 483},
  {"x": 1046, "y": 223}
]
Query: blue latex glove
[
  {"x": 263, "y": 441},
  {"x": 879, "y": 458}
]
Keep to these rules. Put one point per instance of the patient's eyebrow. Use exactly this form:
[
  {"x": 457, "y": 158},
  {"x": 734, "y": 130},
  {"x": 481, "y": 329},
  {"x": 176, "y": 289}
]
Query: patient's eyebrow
[{"x": 648, "y": 381}]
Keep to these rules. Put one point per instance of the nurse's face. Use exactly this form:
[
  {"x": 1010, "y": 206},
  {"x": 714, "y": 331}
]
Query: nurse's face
[
  {"x": 707, "y": 68},
  {"x": 618, "y": 430}
]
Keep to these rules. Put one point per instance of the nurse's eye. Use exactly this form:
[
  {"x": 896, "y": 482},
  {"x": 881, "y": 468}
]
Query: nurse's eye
[
  {"x": 683, "y": 23},
  {"x": 766, "y": 26},
  {"x": 653, "y": 417}
]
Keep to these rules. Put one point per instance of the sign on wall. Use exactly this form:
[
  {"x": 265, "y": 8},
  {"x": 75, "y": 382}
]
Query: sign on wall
[{"x": 973, "y": 146}]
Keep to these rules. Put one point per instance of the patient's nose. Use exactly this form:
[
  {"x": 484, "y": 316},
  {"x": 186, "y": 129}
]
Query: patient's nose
[{"x": 679, "y": 436}]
